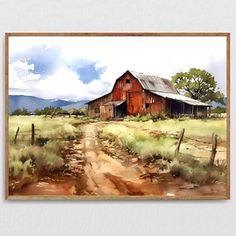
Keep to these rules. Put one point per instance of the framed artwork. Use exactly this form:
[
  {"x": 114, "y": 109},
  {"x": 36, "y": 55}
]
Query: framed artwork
[{"x": 117, "y": 116}]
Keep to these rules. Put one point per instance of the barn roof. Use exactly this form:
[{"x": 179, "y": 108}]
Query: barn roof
[
  {"x": 182, "y": 98},
  {"x": 115, "y": 103},
  {"x": 154, "y": 83}
]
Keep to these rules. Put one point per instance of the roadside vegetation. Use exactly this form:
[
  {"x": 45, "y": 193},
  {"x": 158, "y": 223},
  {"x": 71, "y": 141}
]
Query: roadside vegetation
[
  {"x": 150, "y": 138},
  {"x": 143, "y": 118},
  {"x": 155, "y": 143},
  {"x": 29, "y": 162}
]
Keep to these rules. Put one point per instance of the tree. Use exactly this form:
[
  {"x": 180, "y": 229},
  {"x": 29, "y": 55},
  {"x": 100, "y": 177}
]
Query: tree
[
  {"x": 22, "y": 112},
  {"x": 198, "y": 84},
  {"x": 38, "y": 112},
  {"x": 80, "y": 112},
  {"x": 219, "y": 110}
]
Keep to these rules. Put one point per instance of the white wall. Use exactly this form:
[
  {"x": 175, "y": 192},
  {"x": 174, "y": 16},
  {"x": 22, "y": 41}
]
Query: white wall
[{"x": 118, "y": 217}]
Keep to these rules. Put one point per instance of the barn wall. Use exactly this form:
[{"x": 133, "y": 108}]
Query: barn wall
[
  {"x": 122, "y": 88},
  {"x": 96, "y": 104},
  {"x": 107, "y": 111},
  {"x": 153, "y": 104},
  {"x": 200, "y": 111},
  {"x": 128, "y": 88}
]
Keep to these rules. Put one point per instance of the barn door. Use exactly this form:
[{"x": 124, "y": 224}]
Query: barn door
[{"x": 134, "y": 103}]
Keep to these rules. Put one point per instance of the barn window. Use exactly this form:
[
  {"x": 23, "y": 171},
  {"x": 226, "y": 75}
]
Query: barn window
[
  {"x": 147, "y": 105},
  {"x": 97, "y": 110},
  {"x": 128, "y": 81}
]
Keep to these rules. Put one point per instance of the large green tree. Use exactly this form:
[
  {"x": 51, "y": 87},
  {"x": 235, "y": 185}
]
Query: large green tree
[{"x": 198, "y": 84}]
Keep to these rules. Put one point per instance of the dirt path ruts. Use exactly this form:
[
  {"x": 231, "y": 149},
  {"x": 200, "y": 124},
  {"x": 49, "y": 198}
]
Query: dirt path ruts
[
  {"x": 107, "y": 176},
  {"x": 93, "y": 172}
]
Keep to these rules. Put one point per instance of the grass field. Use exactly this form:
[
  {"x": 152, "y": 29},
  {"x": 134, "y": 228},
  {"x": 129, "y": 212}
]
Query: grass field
[
  {"x": 145, "y": 139},
  {"x": 195, "y": 127},
  {"x": 157, "y": 140},
  {"x": 27, "y": 162}
]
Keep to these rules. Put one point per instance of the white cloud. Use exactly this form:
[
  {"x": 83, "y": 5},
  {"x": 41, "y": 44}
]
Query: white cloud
[
  {"x": 162, "y": 56},
  {"x": 24, "y": 81},
  {"x": 63, "y": 84}
]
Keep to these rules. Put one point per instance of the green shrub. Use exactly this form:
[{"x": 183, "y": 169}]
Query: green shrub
[
  {"x": 139, "y": 142},
  {"x": 18, "y": 169},
  {"x": 144, "y": 118},
  {"x": 196, "y": 172},
  {"x": 31, "y": 160}
]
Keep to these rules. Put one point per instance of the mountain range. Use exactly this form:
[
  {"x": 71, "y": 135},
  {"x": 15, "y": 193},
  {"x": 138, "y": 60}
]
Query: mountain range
[{"x": 31, "y": 103}]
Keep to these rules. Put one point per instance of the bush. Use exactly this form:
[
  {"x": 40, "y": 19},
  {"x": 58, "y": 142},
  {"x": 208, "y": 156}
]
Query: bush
[
  {"x": 35, "y": 160},
  {"x": 22, "y": 112},
  {"x": 219, "y": 110},
  {"x": 19, "y": 170},
  {"x": 66, "y": 132},
  {"x": 139, "y": 142},
  {"x": 144, "y": 118},
  {"x": 197, "y": 173}
]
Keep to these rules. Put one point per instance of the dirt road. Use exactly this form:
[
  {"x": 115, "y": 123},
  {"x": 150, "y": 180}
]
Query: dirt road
[
  {"x": 108, "y": 176},
  {"x": 93, "y": 172}
]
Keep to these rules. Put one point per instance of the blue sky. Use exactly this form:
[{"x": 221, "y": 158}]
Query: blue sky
[{"x": 76, "y": 68}]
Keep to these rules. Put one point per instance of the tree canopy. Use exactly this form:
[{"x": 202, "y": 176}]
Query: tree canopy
[
  {"x": 47, "y": 110},
  {"x": 198, "y": 84},
  {"x": 22, "y": 112}
]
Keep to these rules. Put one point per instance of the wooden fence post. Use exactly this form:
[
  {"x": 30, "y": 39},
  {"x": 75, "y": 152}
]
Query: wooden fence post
[
  {"x": 179, "y": 142},
  {"x": 32, "y": 135},
  {"x": 213, "y": 150},
  {"x": 17, "y": 131}
]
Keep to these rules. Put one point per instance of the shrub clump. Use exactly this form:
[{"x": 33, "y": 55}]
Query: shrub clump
[
  {"x": 196, "y": 172},
  {"x": 144, "y": 118},
  {"x": 138, "y": 142},
  {"x": 33, "y": 161}
]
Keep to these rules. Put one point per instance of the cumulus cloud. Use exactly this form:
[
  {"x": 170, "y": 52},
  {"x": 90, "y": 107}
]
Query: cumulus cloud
[
  {"x": 63, "y": 84},
  {"x": 45, "y": 59},
  {"x": 87, "y": 70},
  {"x": 21, "y": 79},
  {"x": 87, "y": 67},
  {"x": 42, "y": 71}
]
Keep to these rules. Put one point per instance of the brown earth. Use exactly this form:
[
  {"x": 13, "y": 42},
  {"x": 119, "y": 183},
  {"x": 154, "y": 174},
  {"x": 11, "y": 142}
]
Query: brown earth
[{"x": 94, "y": 170}]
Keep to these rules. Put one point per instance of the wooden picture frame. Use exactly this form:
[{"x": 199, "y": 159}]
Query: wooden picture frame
[{"x": 132, "y": 194}]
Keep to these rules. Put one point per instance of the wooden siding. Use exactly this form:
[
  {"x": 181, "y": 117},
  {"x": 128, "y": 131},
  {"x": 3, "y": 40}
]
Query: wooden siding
[
  {"x": 106, "y": 111},
  {"x": 95, "y": 105},
  {"x": 125, "y": 84},
  {"x": 128, "y": 88},
  {"x": 153, "y": 104},
  {"x": 200, "y": 111},
  {"x": 138, "y": 100}
]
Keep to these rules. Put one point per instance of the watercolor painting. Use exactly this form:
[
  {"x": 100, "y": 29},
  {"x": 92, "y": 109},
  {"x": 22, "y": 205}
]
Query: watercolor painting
[{"x": 117, "y": 116}]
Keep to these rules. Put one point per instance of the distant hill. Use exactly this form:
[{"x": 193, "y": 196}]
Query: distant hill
[
  {"x": 216, "y": 104},
  {"x": 76, "y": 105},
  {"x": 31, "y": 103}
]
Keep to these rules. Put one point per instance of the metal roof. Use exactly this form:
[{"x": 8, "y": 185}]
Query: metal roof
[
  {"x": 115, "y": 103},
  {"x": 154, "y": 83},
  {"x": 182, "y": 98}
]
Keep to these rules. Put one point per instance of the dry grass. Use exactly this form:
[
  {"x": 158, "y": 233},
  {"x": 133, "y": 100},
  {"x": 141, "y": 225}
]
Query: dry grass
[
  {"x": 27, "y": 162},
  {"x": 136, "y": 138},
  {"x": 139, "y": 142}
]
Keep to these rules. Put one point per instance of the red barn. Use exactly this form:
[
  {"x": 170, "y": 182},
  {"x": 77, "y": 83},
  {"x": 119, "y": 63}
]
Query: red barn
[{"x": 136, "y": 93}]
